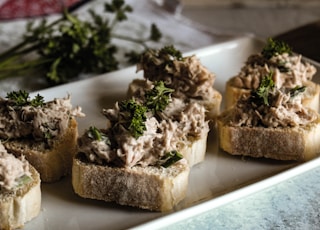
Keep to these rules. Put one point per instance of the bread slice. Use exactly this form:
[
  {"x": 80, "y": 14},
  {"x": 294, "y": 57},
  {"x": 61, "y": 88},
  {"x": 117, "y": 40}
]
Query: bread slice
[
  {"x": 212, "y": 105},
  {"x": 52, "y": 163},
  {"x": 154, "y": 188},
  {"x": 300, "y": 143},
  {"x": 310, "y": 99},
  {"x": 195, "y": 151},
  {"x": 21, "y": 206}
]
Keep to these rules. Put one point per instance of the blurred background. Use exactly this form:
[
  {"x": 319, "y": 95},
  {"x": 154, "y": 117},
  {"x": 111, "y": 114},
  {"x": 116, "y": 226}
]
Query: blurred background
[{"x": 264, "y": 18}]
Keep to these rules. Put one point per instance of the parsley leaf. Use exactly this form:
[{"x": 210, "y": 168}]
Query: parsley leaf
[
  {"x": 134, "y": 117},
  {"x": 275, "y": 47},
  {"x": 21, "y": 98},
  {"x": 266, "y": 85},
  {"x": 158, "y": 97}
]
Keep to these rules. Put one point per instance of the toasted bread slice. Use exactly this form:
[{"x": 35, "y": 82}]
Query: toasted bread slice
[
  {"x": 154, "y": 188},
  {"x": 52, "y": 163},
  {"x": 310, "y": 99},
  {"x": 22, "y": 205},
  {"x": 300, "y": 143}
]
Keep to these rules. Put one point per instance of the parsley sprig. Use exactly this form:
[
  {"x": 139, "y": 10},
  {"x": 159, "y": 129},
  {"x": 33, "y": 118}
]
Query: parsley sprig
[
  {"x": 133, "y": 116},
  {"x": 70, "y": 46},
  {"x": 275, "y": 47},
  {"x": 158, "y": 97},
  {"x": 22, "y": 98},
  {"x": 265, "y": 87}
]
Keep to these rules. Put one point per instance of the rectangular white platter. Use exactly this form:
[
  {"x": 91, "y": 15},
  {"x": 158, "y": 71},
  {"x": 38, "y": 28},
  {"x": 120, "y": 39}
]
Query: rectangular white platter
[{"x": 220, "y": 179}]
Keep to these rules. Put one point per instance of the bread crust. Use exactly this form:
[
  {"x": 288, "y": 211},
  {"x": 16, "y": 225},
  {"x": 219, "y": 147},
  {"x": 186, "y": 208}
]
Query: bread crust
[
  {"x": 292, "y": 143},
  {"x": 21, "y": 206},
  {"x": 53, "y": 163},
  {"x": 311, "y": 98},
  {"x": 195, "y": 151},
  {"x": 153, "y": 188}
]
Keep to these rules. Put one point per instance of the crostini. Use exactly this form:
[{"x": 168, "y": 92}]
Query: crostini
[
  {"x": 44, "y": 132},
  {"x": 143, "y": 156},
  {"x": 190, "y": 80},
  {"x": 271, "y": 123},
  {"x": 20, "y": 192},
  {"x": 288, "y": 71}
]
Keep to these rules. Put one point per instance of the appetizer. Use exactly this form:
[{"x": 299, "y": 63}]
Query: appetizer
[
  {"x": 271, "y": 122},
  {"x": 141, "y": 157},
  {"x": 44, "y": 132},
  {"x": 20, "y": 194},
  {"x": 190, "y": 80},
  {"x": 288, "y": 71}
]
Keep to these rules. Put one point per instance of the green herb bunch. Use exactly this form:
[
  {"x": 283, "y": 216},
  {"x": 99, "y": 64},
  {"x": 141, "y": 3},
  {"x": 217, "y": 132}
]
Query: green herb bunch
[{"x": 70, "y": 46}]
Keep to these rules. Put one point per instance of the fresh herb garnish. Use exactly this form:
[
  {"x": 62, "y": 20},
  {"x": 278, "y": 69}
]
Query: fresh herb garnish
[
  {"x": 265, "y": 87},
  {"x": 95, "y": 134},
  {"x": 22, "y": 98},
  {"x": 134, "y": 117},
  {"x": 275, "y": 47},
  {"x": 158, "y": 97},
  {"x": 170, "y": 158},
  {"x": 297, "y": 90},
  {"x": 21, "y": 181},
  {"x": 70, "y": 46},
  {"x": 171, "y": 53}
]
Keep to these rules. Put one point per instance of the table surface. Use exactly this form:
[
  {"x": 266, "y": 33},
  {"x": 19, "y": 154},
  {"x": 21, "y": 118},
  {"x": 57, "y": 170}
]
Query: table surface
[{"x": 293, "y": 204}]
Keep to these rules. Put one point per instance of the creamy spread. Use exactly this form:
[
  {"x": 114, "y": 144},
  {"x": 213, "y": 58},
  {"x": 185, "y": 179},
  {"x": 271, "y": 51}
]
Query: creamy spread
[
  {"x": 12, "y": 170},
  {"x": 283, "y": 111},
  {"x": 187, "y": 76},
  {"x": 288, "y": 71},
  {"x": 42, "y": 123},
  {"x": 174, "y": 128}
]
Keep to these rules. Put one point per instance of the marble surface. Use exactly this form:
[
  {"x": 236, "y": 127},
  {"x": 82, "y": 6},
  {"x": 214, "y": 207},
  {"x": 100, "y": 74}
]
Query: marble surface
[{"x": 293, "y": 204}]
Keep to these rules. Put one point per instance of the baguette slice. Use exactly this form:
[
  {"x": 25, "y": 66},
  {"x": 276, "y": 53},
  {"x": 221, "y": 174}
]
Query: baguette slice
[
  {"x": 53, "y": 163},
  {"x": 212, "y": 106},
  {"x": 153, "y": 188},
  {"x": 298, "y": 143},
  {"x": 21, "y": 206},
  {"x": 311, "y": 98}
]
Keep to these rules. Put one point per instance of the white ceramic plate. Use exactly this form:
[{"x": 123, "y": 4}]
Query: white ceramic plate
[{"x": 218, "y": 180}]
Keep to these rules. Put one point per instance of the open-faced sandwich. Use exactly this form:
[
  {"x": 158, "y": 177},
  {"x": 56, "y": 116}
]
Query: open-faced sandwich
[
  {"x": 20, "y": 194},
  {"x": 142, "y": 157},
  {"x": 271, "y": 122},
  {"x": 190, "y": 80},
  {"x": 44, "y": 132},
  {"x": 289, "y": 71}
]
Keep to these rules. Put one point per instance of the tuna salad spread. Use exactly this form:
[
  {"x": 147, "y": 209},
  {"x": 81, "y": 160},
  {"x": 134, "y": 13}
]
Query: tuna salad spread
[
  {"x": 288, "y": 69},
  {"x": 13, "y": 171},
  {"x": 148, "y": 130},
  {"x": 186, "y": 75},
  {"x": 270, "y": 106},
  {"x": 22, "y": 117}
]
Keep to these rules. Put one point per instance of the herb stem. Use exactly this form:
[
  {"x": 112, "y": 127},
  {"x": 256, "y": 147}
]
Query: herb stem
[{"x": 130, "y": 39}]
